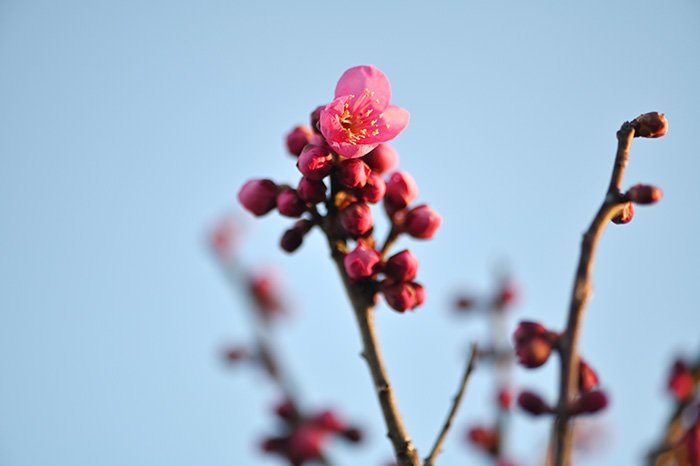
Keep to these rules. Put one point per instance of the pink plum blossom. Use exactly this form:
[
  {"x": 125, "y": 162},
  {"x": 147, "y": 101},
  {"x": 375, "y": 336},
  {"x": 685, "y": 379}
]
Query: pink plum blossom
[
  {"x": 315, "y": 163},
  {"x": 401, "y": 190},
  {"x": 360, "y": 117}
]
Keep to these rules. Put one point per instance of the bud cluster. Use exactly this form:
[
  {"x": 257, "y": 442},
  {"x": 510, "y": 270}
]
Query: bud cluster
[
  {"x": 303, "y": 439},
  {"x": 346, "y": 166},
  {"x": 534, "y": 344}
]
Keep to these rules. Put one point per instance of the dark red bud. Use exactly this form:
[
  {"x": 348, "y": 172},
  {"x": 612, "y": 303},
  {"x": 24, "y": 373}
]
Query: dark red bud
[
  {"x": 680, "y": 381},
  {"x": 590, "y": 402},
  {"x": 587, "y": 377},
  {"x": 625, "y": 215},
  {"x": 533, "y": 404},
  {"x": 650, "y": 125},
  {"x": 644, "y": 194},
  {"x": 297, "y": 139},
  {"x": 353, "y": 434}
]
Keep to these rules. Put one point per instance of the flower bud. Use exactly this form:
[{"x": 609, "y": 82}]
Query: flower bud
[
  {"x": 374, "y": 190},
  {"x": 404, "y": 296},
  {"x": 625, "y": 215},
  {"x": 258, "y": 196},
  {"x": 353, "y": 173},
  {"x": 422, "y": 222},
  {"x": 680, "y": 381},
  {"x": 587, "y": 377},
  {"x": 402, "y": 266},
  {"x": 644, "y": 194},
  {"x": 311, "y": 191},
  {"x": 590, "y": 403},
  {"x": 361, "y": 263},
  {"x": 504, "y": 398},
  {"x": 533, "y": 344},
  {"x": 316, "y": 117},
  {"x": 382, "y": 158},
  {"x": 291, "y": 240},
  {"x": 289, "y": 204},
  {"x": 356, "y": 219},
  {"x": 237, "y": 354},
  {"x": 650, "y": 125},
  {"x": 533, "y": 404},
  {"x": 353, "y": 434},
  {"x": 328, "y": 421},
  {"x": 484, "y": 438},
  {"x": 286, "y": 410},
  {"x": 305, "y": 443},
  {"x": 401, "y": 190},
  {"x": 315, "y": 162},
  {"x": 297, "y": 139},
  {"x": 464, "y": 303},
  {"x": 692, "y": 444}
]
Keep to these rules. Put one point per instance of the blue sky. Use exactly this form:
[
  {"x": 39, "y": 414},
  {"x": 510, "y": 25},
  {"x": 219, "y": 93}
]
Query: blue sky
[{"x": 126, "y": 129}]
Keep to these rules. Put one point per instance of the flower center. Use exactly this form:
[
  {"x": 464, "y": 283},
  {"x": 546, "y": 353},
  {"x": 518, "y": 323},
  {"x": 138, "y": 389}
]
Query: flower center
[{"x": 356, "y": 117}]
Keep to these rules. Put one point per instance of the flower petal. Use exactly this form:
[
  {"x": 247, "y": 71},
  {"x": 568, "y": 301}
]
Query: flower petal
[
  {"x": 393, "y": 121},
  {"x": 355, "y": 80}
]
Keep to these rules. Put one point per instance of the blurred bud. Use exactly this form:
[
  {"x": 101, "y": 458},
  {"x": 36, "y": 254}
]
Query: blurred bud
[
  {"x": 361, "y": 262},
  {"x": 305, "y": 443},
  {"x": 464, "y": 303},
  {"x": 274, "y": 445},
  {"x": 590, "y": 403},
  {"x": 422, "y": 222},
  {"x": 533, "y": 343},
  {"x": 625, "y": 215},
  {"x": 224, "y": 236},
  {"x": 404, "y": 296},
  {"x": 286, "y": 410},
  {"x": 353, "y": 173},
  {"x": 402, "y": 266},
  {"x": 356, "y": 219},
  {"x": 382, "y": 159},
  {"x": 315, "y": 162},
  {"x": 258, "y": 196},
  {"x": 692, "y": 444},
  {"x": 353, "y": 434},
  {"x": 297, "y": 139},
  {"x": 506, "y": 295},
  {"x": 680, "y": 381},
  {"x": 237, "y": 354},
  {"x": 533, "y": 404},
  {"x": 328, "y": 420},
  {"x": 289, "y": 204},
  {"x": 484, "y": 438},
  {"x": 644, "y": 194},
  {"x": 650, "y": 125},
  {"x": 311, "y": 191},
  {"x": 291, "y": 240},
  {"x": 374, "y": 190},
  {"x": 505, "y": 399},
  {"x": 587, "y": 377},
  {"x": 401, "y": 190}
]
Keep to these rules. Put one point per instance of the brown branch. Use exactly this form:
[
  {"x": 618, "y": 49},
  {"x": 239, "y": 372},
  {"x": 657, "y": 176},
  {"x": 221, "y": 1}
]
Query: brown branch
[
  {"x": 437, "y": 448},
  {"x": 613, "y": 203},
  {"x": 391, "y": 238}
]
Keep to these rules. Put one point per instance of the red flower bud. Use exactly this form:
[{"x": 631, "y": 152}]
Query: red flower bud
[
  {"x": 289, "y": 204},
  {"x": 402, "y": 266},
  {"x": 587, "y": 377},
  {"x": 305, "y": 443},
  {"x": 533, "y": 344},
  {"x": 404, "y": 296},
  {"x": 374, "y": 190},
  {"x": 315, "y": 162},
  {"x": 311, "y": 191},
  {"x": 328, "y": 420},
  {"x": 353, "y": 434},
  {"x": 237, "y": 354},
  {"x": 382, "y": 158},
  {"x": 533, "y": 404},
  {"x": 484, "y": 438},
  {"x": 291, "y": 240},
  {"x": 401, "y": 190},
  {"x": 644, "y": 194},
  {"x": 650, "y": 125},
  {"x": 361, "y": 263},
  {"x": 680, "y": 381},
  {"x": 316, "y": 117},
  {"x": 286, "y": 410},
  {"x": 692, "y": 444},
  {"x": 505, "y": 399},
  {"x": 258, "y": 196},
  {"x": 625, "y": 215},
  {"x": 297, "y": 139},
  {"x": 590, "y": 403},
  {"x": 353, "y": 173},
  {"x": 356, "y": 219},
  {"x": 422, "y": 222}
]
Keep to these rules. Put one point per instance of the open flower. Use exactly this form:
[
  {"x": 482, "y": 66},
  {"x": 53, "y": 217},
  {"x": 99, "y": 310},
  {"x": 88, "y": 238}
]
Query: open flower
[{"x": 360, "y": 117}]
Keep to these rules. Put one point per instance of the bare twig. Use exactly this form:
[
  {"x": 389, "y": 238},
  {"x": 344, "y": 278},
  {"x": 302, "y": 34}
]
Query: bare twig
[
  {"x": 457, "y": 400},
  {"x": 389, "y": 241},
  {"x": 613, "y": 203}
]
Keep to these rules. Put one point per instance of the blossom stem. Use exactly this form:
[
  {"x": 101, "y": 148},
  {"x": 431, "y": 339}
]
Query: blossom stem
[
  {"x": 437, "y": 448},
  {"x": 389, "y": 241},
  {"x": 582, "y": 289}
]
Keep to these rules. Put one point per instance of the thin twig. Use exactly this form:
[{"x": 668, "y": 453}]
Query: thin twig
[
  {"x": 391, "y": 238},
  {"x": 613, "y": 203},
  {"x": 437, "y": 448}
]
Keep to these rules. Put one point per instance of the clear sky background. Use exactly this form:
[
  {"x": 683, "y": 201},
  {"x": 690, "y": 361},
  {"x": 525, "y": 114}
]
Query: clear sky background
[{"x": 127, "y": 128}]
